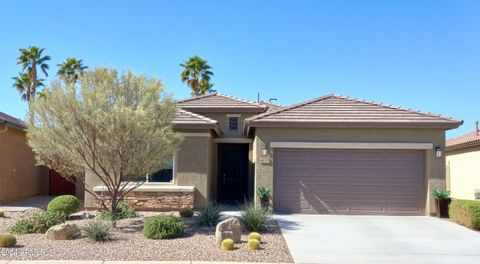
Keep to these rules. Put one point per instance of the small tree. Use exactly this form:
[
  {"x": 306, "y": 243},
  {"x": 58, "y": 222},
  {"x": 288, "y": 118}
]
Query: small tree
[{"x": 117, "y": 127}]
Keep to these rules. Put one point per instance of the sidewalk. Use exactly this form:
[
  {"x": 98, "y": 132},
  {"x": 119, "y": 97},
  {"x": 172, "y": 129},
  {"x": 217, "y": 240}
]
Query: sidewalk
[{"x": 113, "y": 262}]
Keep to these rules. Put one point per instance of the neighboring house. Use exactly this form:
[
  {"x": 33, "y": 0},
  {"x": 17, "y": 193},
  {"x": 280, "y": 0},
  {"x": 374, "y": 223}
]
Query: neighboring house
[
  {"x": 19, "y": 176},
  {"x": 332, "y": 154},
  {"x": 463, "y": 166}
]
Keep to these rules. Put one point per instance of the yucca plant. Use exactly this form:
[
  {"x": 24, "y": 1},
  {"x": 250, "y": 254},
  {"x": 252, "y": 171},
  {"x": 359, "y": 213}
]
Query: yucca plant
[
  {"x": 254, "y": 218},
  {"x": 210, "y": 214}
]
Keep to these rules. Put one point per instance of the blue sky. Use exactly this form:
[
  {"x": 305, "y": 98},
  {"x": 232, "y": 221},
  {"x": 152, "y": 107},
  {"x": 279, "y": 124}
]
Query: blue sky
[{"x": 417, "y": 54}]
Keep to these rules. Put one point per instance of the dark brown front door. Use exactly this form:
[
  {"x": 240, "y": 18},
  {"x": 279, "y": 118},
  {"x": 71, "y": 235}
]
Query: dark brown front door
[{"x": 232, "y": 173}]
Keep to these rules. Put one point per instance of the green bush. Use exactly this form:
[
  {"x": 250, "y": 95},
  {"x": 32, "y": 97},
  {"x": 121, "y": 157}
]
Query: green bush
[
  {"x": 264, "y": 192},
  {"x": 254, "y": 218},
  {"x": 38, "y": 223},
  {"x": 439, "y": 194},
  {"x": 163, "y": 227},
  {"x": 465, "y": 212},
  {"x": 124, "y": 211},
  {"x": 97, "y": 230},
  {"x": 66, "y": 204},
  {"x": 7, "y": 240},
  {"x": 186, "y": 212},
  {"x": 209, "y": 215},
  {"x": 2, "y": 213}
]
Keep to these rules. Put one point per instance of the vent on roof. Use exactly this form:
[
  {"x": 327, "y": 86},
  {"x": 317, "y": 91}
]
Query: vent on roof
[
  {"x": 212, "y": 91},
  {"x": 272, "y": 100}
]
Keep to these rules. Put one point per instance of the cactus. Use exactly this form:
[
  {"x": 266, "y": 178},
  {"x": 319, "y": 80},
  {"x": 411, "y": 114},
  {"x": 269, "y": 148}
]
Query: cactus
[
  {"x": 228, "y": 244},
  {"x": 255, "y": 235},
  {"x": 253, "y": 244},
  {"x": 7, "y": 240}
]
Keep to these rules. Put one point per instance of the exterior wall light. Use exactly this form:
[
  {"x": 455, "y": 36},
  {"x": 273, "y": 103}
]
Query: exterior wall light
[
  {"x": 438, "y": 152},
  {"x": 264, "y": 150}
]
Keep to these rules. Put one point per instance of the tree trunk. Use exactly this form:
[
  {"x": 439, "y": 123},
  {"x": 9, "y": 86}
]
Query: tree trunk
[{"x": 114, "y": 212}]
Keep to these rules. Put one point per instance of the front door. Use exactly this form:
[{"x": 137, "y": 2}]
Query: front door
[{"x": 232, "y": 173}]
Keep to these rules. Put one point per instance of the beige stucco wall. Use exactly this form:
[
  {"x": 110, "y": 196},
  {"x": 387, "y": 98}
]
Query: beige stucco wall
[
  {"x": 194, "y": 166},
  {"x": 463, "y": 172},
  {"x": 19, "y": 175},
  {"x": 223, "y": 123},
  {"x": 434, "y": 167}
]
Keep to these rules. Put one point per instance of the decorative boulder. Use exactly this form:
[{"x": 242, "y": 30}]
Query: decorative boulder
[
  {"x": 229, "y": 228},
  {"x": 63, "y": 231}
]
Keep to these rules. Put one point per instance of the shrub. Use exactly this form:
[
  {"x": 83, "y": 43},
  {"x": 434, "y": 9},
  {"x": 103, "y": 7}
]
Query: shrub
[
  {"x": 209, "y": 215},
  {"x": 163, "y": 227},
  {"x": 97, "y": 230},
  {"x": 255, "y": 235},
  {"x": 2, "y": 213},
  {"x": 466, "y": 213},
  {"x": 66, "y": 204},
  {"x": 124, "y": 211},
  {"x": 186, "y": 212},
  {"x": 253, "y": 244},
  {"x": 38, "y": 222},
  {"x": 228, "y": 244},
  {"x": 7, "y": 240},
  {"x": 253, "y": 217},
  {"x": 439, "y": 194},
  {"x": 264, "y": 192}
]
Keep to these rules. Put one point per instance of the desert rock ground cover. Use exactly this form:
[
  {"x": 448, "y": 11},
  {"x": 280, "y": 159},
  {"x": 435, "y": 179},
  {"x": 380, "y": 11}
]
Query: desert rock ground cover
[{"x": 128, "y": 243}]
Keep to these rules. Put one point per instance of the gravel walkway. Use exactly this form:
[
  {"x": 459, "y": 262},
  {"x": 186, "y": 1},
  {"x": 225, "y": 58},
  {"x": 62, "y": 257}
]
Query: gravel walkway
[{"x": 198, "y": 243}]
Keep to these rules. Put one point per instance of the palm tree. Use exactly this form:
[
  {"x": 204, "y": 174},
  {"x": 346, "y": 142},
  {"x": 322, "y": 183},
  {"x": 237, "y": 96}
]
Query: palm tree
[
  {"x": 22, "y": 83},
  {"x": 30, "y": 59},
  {"x": 70, "y": 70},
  {"x": 197, "y": 74}
]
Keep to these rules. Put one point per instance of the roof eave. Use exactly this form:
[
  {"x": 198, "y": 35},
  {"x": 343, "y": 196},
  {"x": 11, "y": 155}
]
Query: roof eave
[
  {"x": 223, "y": 109},
  {"x": 214, "y": 127},
  {"x": 463, "y": 145},
  {"x": 290, "y": 124}
]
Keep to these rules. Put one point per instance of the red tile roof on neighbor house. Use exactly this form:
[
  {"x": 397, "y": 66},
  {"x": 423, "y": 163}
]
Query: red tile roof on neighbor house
[
  {"x": 11, "y": 121},
  {"x": 467, "y": 140},
  {"x": 340, "y": 111},
  {"x": 217, "y": 102}
]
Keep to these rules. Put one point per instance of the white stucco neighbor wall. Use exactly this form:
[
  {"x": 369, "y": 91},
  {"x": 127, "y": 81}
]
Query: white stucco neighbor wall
[{"x": 463, "y": 172}]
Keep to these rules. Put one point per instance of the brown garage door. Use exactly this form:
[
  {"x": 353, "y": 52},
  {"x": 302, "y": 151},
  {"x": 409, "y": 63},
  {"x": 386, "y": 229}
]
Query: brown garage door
[{"x": 349, "y": 181}]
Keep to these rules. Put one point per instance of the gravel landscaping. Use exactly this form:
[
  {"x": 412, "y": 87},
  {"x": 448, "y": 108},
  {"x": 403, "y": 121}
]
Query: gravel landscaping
[{"x": 127, "y": 243}]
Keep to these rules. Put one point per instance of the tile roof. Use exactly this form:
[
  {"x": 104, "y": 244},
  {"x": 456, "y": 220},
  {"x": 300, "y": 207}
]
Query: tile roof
[
  {"x": 12, "y": 121},
  {"x": 467, "y": 140},
  {"x": 340, "y": 111},
  {"x": 219, "y": 102},
  {"x": 184, "y": 118},
  {"x": 271, "y": 106}
]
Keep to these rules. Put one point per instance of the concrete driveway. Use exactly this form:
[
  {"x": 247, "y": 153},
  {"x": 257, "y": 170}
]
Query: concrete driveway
[{"x": 378, "y": 239}]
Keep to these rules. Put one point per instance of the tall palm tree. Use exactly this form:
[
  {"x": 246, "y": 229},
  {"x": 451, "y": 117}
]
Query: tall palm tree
[
  {"x": 196, "y": 73},
  {"x": 30, "y": 59},
  {"x": 22, "y": 83},
  {"x": 70, "y": 70}
]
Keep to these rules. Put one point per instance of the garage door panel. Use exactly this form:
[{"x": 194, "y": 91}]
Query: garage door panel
[{"x": 349, "y": 181}]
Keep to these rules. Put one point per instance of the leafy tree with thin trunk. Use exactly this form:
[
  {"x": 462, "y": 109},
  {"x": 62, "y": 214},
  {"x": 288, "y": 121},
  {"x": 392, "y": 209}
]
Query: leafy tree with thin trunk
[
  {"x": 70, "y": 70},
  {"x": 117, "y": 129},
  {"x": 197, "y": 74}
]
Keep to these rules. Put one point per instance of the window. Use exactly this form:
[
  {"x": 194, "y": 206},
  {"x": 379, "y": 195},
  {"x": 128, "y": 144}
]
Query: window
[
  {"x": 233, "y": 121},
  {"x": 164, "y": 175}
]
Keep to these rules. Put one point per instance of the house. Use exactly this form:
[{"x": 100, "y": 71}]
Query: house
[
  {"x": 332, "y": 154},
  {"x": 19, "y": 175},
  {"x": 463, "y": 165}
]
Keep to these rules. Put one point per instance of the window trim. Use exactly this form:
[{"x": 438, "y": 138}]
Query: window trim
[
  {"x": 236, "y": 116},
  {"x": 174, "y": 175}
]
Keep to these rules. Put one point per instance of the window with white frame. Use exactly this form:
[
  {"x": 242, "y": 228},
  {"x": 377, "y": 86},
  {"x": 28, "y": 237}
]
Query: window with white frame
[{"x": 165, "y": 175}]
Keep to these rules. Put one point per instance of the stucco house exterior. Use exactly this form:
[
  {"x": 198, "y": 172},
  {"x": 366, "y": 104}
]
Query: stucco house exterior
[
  {"x": 463, "y": 166},
  {"x": 332, "y": 154},
  {"x": 19, "y": 175}
]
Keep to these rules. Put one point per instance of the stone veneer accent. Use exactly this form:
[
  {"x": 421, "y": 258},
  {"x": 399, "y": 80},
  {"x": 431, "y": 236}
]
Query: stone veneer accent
[{"x": 160, "y": 200}]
